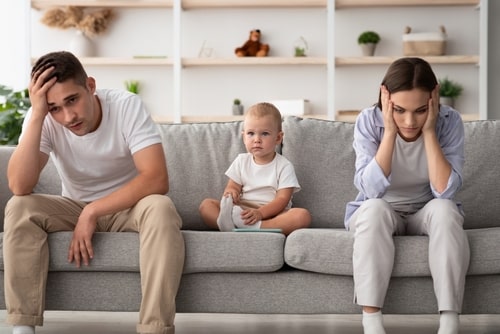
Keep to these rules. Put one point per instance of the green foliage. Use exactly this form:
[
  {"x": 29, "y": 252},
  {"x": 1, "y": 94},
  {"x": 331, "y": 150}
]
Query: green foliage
[
  {"x": 368, "y": 37},
  {"x": 132, "y": 86},
  {"x": 300, "y": 52},
  {"x": 13, "y": 108},
  {"x": 236, "y": 101},
  {"x": 449, "y": 88}
]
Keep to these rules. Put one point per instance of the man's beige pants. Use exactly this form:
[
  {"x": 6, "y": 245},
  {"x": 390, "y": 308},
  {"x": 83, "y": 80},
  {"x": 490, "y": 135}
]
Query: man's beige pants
[
  {"x": 27, "y": 221},
  {"x": 375, "y": 222}
]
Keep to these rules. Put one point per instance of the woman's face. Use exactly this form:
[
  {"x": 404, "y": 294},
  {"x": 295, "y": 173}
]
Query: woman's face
[{"x": 410, "y": 110}]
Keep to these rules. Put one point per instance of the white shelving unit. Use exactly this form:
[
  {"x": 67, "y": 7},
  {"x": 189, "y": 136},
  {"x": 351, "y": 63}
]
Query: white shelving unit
[{"x": 179, "y": 63}]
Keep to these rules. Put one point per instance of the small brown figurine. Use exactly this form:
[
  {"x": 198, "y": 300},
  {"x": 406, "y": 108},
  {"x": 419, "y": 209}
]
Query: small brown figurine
[{"x": 253, "y": 47}]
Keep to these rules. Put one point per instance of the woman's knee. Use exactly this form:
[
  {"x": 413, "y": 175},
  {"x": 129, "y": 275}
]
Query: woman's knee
[
  {"x": 444, "y": 212},
  {"x": 374, "y": 213}
]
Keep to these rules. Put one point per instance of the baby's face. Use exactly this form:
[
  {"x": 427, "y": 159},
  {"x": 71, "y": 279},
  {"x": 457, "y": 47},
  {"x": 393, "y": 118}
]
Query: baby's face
[{"x": 261, "y": 135}]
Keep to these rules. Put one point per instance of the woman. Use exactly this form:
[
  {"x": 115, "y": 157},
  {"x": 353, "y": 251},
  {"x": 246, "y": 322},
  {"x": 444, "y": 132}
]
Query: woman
[{"x": 409, "y": 159}]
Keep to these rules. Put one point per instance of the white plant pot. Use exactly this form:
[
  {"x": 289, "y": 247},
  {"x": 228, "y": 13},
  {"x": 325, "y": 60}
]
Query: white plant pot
[
  {"x": 368, "y": 49},
  {"x": 449, "y": 101},
  {"x": 81, "y": 45},
  {"x": 237, "y": 109}
]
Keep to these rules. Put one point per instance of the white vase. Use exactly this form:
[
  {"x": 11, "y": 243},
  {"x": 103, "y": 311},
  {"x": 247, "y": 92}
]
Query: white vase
[
  {"x": 81, "y": 45},
  {"x": 449, "y": 101},
  {"x": 368, "y": 49}
]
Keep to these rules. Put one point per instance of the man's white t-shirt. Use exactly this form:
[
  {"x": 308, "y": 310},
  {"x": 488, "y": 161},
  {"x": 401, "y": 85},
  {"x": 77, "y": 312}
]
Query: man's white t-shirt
[
  {"x": 96, "y": 164},
  {"x": 261, "y": 182}
]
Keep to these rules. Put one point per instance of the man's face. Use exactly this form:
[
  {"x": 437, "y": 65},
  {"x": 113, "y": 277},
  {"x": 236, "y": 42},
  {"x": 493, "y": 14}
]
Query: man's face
[{"x": 74, "y": 106}]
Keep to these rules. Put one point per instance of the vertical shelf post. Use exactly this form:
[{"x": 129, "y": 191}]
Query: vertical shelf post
[
  {"x": 177, "y": 62},
  {"x": 27, "y": 55},
  {"x": 330, "y": 59},
  {"x": 483, "y": 59}
]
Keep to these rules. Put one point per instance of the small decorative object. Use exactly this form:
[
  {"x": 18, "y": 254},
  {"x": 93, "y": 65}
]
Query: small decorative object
[
  {"x": 205, "y": 52},
  {"x": 132, "y": 86},
  {"x": 449, "y": 90},
  {"x": 299, "y": 107},
  {"x": 301, "y": 47},
  {"x": 81, "y": 45},
  {"x": 87, "y": 25},
  {"x": 368, "y": 41},
  {"x": 424, "y": 43},
  {"x": 237, "y": 107},
  {"x": 253, "y": 47}
]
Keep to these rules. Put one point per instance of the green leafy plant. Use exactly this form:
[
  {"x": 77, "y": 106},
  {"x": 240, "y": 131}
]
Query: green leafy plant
[
  {"x": 132, "y": 86},
  {"x": 13, "y": 108},
  {"x": 300, "y": 52},
  {"x": 301, "y": 47},
  {"x": 368, "y": 37},
  {"x": 449, "y": 88},
  {"x": 236, "y": 101}
]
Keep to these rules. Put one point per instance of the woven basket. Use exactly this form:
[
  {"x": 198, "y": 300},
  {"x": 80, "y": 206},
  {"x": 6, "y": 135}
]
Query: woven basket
[{"x": 424, "y": 44}]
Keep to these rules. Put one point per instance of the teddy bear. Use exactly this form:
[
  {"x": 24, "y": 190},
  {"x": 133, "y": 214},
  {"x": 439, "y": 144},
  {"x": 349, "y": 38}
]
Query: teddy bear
[{"x": 253, "y": 47}]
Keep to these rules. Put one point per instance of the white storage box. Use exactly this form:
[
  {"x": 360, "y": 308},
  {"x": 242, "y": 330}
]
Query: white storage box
[
  {"x": 424, "y": 44},
  {"x": 292, "y": 107}
]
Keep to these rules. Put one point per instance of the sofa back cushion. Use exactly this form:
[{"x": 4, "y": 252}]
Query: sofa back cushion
[
  {"x": 480, "y": 192},
  {"x": 323, "y": 156},
  {"x": 197, "y": 157}
]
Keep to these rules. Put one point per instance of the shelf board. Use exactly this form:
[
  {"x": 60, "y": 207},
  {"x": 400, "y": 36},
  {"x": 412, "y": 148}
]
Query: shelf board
[
  {"x": 243, "y": 61},
  {"x": 192, "y": 4},
  {"x": 44, "y": 4},
  {"x": 265, "y": 61},
  {"x": 455, "y": 59},
  {"x": 388, "y": 3},
  {"x": 117, "y": 61}
]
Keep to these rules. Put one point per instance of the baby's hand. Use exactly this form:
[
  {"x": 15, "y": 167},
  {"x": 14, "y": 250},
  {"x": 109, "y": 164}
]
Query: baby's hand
[
  {"x": 251, "y": 216},
  {"x": 234, "y": 194}
]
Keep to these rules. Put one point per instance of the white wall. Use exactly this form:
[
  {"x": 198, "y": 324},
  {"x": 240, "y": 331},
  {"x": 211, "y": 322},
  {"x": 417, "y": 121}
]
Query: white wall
[
  {"x": 14, "y": 59},
  {"x": 210, "y": 90}
]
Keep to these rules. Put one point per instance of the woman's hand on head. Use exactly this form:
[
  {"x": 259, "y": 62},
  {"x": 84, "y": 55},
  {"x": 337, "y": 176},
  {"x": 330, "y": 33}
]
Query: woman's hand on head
[
  {"x": 387, "y": 111},
  {"x": 433, "y": 111}
]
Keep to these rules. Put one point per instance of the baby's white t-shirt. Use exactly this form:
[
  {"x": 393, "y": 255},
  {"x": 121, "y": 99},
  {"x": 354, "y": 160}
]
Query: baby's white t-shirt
[{"x": 261, "y": 182}]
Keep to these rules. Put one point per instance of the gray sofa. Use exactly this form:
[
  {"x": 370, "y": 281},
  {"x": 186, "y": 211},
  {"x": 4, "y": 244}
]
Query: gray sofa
[{"x": 308, "y": 272}]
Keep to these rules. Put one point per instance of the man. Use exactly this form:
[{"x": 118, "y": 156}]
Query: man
[{"x": 109, "y": 155}]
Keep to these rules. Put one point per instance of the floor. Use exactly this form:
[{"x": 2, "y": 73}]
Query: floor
[{"x": 124, "y": 323}]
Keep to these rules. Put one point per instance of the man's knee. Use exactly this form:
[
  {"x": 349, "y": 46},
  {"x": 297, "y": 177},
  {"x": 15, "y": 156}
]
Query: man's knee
[
  {"x": 159, "y": 210},
  {"x": 17, "y": 206}
]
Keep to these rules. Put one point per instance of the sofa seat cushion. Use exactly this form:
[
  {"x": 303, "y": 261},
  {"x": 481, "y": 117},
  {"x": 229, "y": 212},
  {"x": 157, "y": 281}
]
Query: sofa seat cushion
[
  {"x": 214, "y": 251},
  {"x": 205, "y": 252},
  {"x": 329, "y": 251}
]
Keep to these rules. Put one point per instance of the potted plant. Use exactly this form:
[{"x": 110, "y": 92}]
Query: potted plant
[
  {"x": 13, "y": 107},
  {"x": 87, "y": 24},
  {"x": 132, "y": 86},
  {"x": 237, "y": 107},
  {"x": 449, "y": 90},
  {"x": 368, "y": 41},
  {"x": 301, "y": 47}
]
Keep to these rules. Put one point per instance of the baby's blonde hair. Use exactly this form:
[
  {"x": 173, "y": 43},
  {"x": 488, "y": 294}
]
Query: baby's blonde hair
[{"x": 263, "y": 109}]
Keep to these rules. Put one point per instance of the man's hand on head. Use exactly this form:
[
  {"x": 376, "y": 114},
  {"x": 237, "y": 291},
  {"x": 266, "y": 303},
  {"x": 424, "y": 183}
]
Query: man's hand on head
[{"x": 41, "y": 81}]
